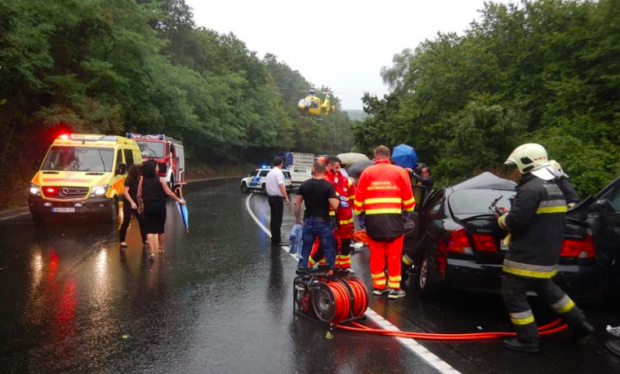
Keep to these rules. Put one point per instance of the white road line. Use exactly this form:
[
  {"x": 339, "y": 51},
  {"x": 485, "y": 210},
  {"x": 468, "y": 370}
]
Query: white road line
[
  {"x": 260, "y": 224},
  {"x": 442, "y": 366},
  {"x": 14, "y": 215}
]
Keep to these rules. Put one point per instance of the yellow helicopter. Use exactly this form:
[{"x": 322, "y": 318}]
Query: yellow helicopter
[{"x": 313, "y": 105}]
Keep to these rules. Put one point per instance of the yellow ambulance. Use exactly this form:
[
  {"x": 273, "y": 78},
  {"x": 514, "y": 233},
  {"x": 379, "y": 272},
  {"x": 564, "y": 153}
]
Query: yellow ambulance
[{"x": 82, "y": 175}]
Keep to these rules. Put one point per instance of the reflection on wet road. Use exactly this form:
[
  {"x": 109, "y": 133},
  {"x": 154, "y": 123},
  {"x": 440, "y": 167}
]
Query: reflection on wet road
[{"x": 219, "y": 300}]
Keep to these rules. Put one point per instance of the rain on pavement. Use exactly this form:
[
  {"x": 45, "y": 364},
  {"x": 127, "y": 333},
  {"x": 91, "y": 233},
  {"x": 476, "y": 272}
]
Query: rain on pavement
[{"x": 219, "y": 300}]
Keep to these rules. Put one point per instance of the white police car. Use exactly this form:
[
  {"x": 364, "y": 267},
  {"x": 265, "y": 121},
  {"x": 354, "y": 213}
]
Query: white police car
[{"x": 257, "y": 181}]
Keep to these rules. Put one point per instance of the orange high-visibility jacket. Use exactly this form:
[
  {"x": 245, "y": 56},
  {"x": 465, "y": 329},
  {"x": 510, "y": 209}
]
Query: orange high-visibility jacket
[
  {"x": 383, "y": 192},
  {"x": 345, "y": 188}
]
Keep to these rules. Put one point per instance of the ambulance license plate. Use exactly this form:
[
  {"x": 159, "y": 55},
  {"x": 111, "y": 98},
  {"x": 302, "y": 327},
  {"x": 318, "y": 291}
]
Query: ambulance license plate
[{"x": 63, "y": 210}]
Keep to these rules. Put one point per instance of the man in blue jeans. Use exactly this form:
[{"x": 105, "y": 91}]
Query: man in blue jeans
[{"x": 317, "y": 195}]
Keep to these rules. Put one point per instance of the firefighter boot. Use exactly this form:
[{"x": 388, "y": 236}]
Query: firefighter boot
[
  {"x": 518, "y": 345},
  {"x": 581, "y": 330}
]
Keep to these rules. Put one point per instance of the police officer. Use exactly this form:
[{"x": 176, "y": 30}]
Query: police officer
[{"x": 536, "y": 223}]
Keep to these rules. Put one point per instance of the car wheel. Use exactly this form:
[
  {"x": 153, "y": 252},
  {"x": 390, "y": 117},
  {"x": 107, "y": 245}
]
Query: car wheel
[
  {"x": 427, "y": 275},
  {"x": 244, "y": 187}
]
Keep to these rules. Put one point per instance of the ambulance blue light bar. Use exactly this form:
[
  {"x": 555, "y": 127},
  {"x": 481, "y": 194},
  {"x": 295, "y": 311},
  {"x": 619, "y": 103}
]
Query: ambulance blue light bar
[{"x": 130, "y": 135}]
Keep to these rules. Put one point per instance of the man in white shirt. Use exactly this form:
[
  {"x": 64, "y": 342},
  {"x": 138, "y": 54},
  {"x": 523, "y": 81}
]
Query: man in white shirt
[{"x": 276, "y": 192}]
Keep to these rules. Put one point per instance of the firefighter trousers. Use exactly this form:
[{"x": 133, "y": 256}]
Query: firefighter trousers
[
  {"x": 514, "y": 293},
  {"x": 343, "y": 253},
  {"x": 380, "y": 254}
]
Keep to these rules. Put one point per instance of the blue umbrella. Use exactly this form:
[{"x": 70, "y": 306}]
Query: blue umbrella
[
  {"x": 183, "y": 210},
  {"x": 404, "y": 156}
]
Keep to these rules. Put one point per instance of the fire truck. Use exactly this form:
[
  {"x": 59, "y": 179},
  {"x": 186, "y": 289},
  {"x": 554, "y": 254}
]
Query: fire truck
[{"x": 167, "y": 152}]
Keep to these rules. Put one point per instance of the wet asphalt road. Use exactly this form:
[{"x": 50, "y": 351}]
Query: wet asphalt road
[{"x": 219, "y": 300}]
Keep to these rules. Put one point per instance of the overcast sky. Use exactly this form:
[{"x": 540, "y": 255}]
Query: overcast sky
[{"x": 342, "y": 44}]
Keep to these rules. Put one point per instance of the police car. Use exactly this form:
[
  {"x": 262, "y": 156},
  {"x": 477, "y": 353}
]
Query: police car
[{"x": 256, "y": 181}]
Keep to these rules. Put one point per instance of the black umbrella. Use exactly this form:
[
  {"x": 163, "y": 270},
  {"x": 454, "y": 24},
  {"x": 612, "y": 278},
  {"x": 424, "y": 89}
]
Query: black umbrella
[{"x": 355, "y": 170}]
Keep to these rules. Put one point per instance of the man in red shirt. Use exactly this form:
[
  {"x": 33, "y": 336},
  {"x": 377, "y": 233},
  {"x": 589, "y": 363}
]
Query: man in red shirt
[{"x": 383, "y": 192}]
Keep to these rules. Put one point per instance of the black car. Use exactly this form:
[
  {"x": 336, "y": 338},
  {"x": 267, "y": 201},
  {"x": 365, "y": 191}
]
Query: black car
[
  {"x": 456, "y": 241},
  {"x": 602, "y": 214}
]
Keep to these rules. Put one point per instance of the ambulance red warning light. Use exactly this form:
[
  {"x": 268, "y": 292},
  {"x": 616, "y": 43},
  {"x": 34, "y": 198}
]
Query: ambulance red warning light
[{"x": 167, "y": 152}]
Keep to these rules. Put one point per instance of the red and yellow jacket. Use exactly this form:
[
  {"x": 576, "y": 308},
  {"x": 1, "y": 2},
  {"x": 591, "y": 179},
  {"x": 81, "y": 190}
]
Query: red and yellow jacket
[{"x": 383, "y": 192}]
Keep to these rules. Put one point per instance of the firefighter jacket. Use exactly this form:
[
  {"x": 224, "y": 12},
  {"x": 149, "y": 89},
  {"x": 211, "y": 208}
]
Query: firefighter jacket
[
  {"x": 343, "y": 216},
  {"x": 570, "y": 195},
  {"x": 536, "y": 223},
  {"x": 383, "y": 192}
]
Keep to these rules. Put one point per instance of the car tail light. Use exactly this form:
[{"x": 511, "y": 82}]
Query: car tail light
[
  {"x": 582, "y": 248},
  {"x": 459, "y": 242},
  {"x": 485, "y": 243}
]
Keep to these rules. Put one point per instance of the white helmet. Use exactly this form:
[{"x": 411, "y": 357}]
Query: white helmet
[
  {"x": 556, "y": 165},
  {"x": 531, "y": 158}
]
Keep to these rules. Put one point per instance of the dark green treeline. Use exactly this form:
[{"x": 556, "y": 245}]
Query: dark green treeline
[
  {"x": 116, "y": 66},
  {"x": 543, "y": 71}
]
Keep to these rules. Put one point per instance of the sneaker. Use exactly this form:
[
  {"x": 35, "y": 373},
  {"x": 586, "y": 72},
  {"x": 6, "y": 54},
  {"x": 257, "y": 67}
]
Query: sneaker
[
  {"x": 379, "y": 292},
  {"x": 396, "y": 294}
]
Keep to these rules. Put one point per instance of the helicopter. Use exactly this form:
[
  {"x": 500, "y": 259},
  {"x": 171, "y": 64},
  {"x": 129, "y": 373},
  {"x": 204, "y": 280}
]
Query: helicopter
[{"x": 313, "y": 105}]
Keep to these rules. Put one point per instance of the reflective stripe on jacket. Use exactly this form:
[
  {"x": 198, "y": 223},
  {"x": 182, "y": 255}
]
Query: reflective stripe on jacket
[
  {"x": 383, "y": 192},
  {"x": 536, "y": 222}
]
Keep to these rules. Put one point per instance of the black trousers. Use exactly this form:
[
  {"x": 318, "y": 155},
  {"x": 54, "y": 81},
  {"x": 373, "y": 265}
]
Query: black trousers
[
  {"x": 514, "y": 292},
  {"x": 276, "y": 203},
  {"x": 127, "y": 212}
]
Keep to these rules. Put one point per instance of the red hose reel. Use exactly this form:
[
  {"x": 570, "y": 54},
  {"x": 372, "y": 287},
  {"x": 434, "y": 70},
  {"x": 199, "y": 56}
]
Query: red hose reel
[{"x": 332, "y": 299}]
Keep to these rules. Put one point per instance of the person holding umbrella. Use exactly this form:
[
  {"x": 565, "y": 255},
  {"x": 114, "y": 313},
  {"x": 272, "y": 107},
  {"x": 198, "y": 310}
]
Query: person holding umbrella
[{"x": 153, "y": 192}]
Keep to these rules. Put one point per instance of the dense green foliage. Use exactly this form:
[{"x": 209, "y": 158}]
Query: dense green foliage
[
  {"x": 112, "y": 66},
  {"x": 542, "y": 71}
]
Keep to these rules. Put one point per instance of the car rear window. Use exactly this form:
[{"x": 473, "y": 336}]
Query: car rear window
[{"x": 478, "y": 201}]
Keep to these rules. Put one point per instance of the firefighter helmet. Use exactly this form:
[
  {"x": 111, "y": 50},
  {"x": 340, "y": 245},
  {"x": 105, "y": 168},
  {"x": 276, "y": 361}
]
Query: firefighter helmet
[
  {"x": 528, "y": 157},
  {"x": 556, "y": 165}
]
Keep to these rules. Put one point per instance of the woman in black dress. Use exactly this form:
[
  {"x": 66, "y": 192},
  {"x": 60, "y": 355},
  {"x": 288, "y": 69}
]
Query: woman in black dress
[
  {"x": 130, "y": 206},
  {"x": 153, "y": 192}
]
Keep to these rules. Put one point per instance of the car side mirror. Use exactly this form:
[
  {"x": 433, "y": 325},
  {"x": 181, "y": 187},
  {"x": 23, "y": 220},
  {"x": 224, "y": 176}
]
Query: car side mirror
[
  {"x": 36, "y": 165},
  {"x": 121, "y": 168},
  {"x": 601, "y": 206}
]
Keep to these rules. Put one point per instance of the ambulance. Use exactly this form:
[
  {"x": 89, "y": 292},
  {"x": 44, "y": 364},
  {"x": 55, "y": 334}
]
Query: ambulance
[{"x": 82, "y": 175}]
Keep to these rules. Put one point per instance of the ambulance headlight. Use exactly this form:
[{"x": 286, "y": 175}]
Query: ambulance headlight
[
  {"x": 100, "y": 190},
  {"x": 34, "y": 190}
]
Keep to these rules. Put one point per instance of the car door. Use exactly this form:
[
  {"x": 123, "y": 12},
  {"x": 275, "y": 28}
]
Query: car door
[
  {"x": 604, "y": 221},
  {"x": 255, "y": 180}
]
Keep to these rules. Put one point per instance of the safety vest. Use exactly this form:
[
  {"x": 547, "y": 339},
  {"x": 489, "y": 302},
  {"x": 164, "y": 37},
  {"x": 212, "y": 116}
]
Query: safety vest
[
  {"x": 345, "y": 188},
  {"x": 536, "y": 223},
  {"x": 383, "y": 192}
]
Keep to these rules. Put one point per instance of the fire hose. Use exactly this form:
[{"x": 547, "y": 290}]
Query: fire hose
[{"x": 346, "y": 299}]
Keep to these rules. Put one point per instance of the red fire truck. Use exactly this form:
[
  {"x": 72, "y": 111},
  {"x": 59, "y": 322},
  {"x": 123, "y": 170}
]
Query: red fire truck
[{"x": 167, "y": 152}]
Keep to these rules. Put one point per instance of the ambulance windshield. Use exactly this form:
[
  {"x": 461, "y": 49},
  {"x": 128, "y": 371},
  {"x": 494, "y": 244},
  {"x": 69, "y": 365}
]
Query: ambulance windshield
[
  {"x": 79, "y": 159},
  {"x": 151, "y": 149}
]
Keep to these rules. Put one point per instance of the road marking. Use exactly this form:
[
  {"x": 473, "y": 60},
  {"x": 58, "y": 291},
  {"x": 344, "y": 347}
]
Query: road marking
[
  {"x": 419, "y": 350},
  {"x": 14, "y": 215}
]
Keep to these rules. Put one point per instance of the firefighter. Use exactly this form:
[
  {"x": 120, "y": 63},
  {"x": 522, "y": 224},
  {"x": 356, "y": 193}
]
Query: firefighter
[
  {"x": 344, "y": 214},
  {"x": 342, "y": 217},
  {"x": 383, "y": 192},
  {"x": 536, "y": 222},
  {"x": 570, "y": 195}
]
